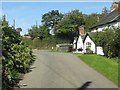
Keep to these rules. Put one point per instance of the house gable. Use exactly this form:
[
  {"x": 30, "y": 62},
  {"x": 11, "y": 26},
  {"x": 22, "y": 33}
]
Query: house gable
[
  {"x": 80, "y": 42},
  {"x": 88, "y": 43}
]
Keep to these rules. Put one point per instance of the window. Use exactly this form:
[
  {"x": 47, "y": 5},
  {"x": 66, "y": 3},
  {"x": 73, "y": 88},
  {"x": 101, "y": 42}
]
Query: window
[{"x": 88, "y": 45}]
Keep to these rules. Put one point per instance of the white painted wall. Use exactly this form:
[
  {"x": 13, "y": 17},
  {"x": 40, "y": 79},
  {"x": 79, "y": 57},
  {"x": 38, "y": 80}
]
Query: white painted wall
[
  {"x": 74, "y": 44},
  {"x": 117, "y": 24},
  {"x": 88, "y": 39},
  {"x": 99, "y": 50},
  {"x": 80, "y": 43},
  {"x": 100, "y": 29}
]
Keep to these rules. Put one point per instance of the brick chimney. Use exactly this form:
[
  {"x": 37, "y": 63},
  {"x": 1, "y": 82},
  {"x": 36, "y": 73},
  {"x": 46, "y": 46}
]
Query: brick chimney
[
  {"x": 81, "y": 30},
  {"x": 115, "y": 5}
]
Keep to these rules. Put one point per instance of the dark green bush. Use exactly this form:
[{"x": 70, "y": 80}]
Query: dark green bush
[
  {"x": 89, "y": 51},
  {"x": 16, "y": 56}
]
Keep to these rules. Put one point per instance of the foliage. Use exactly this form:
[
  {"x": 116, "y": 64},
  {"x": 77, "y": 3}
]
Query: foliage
[
  {"x": 90, "y": 20},
  {"x": 64, "y": 26},
  {"x": 27, "y": 41},
  {"x": 68, "y": 26},
  {"x": 51, "y": 18},
  {"x": 105, "y": 11},
  {"x": 110, "y": 41},
  {"x": 40, "y": 32},
  {"x": 46, "y": 43},
  {"x": 43, "y": 32},
  {"x": 93, "y": 18},
  {"x": 89, "y": 51},
  {"x": 33, "y": 31},
  {"x": 108, "y": 67},
  {"x": 16, "y": 57}
]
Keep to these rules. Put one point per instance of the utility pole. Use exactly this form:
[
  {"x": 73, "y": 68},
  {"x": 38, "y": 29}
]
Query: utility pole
[
  {"x": 36, "y": 24},
  {"x": 14, "y": 23}
]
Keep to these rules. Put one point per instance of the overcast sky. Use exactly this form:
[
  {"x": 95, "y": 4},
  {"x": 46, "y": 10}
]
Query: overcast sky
[{"x": 26, "y": 13}]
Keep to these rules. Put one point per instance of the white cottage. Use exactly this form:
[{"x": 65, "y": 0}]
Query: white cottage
[
  {"x": 83, "y": 42},
  {"x": 110, "y": 20},
  {"x": 88, "y": 44}
]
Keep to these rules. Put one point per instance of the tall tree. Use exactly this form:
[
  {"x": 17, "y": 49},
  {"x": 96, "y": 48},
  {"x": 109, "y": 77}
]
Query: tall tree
[
  {"x": 51, "y": 18},
  {"x": 105, "y": 11},
  {"x": 33, "y": 31},
  {"x": 68, "y": 26},
  {"x": 40, "y": 32},
  {"x": 90, "y": 20},
  {"x": 4, "y": 22},
  {"x": 43, "y": 32}
]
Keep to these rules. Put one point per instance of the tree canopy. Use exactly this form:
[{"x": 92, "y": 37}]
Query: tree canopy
[
  {"x": 68, "y": 26},
  {"x": 51, "y": 18},
  {"x": 64, "y": 26},
  {"x": 40, "y": 32},
  {"x": 90, "y": 20}
]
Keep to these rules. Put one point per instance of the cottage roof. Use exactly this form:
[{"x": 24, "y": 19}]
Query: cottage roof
[
  {"x": 91, "y": 35},
  {"x": 113, "y": 16},
  {"x": 85, "y": 37},
  {"x": 75, "y": 40}
]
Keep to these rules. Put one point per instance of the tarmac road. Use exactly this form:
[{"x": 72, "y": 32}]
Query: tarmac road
[{"x": 62, "y": 70}]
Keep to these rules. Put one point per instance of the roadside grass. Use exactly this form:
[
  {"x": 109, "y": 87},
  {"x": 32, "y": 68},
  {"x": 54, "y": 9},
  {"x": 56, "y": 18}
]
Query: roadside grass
[{"x": 106, "y": 66}]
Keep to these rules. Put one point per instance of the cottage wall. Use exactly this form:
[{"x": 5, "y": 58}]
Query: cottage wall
[
  {"x": 79, "y": 43},
  {"x": 93, "y": 48},
  {"x": 100, "y": 29},
  {"x": 74, "y": 44}
]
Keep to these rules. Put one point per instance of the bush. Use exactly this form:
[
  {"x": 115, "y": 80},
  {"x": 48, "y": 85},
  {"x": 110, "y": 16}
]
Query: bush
[
  {"x": 36, "y": 43},
  {"x": 46, "y": 43},
  {"x": 89, "y": 51},
  {"x": 16, "y": 56},
  {"x": 110, "y": 41}
]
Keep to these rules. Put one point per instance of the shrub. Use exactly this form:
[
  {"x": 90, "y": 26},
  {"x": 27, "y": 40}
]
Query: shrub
[
  {"x": 110, "y": 41},
  {"x": 16, "y": 56},
  {"x": 89, "y": 51}
]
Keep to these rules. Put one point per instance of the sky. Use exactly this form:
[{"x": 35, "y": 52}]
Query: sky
[{"x": 27, "y": 13}]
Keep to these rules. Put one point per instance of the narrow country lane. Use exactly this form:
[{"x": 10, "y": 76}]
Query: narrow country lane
[{"x": 62, "y": 70}]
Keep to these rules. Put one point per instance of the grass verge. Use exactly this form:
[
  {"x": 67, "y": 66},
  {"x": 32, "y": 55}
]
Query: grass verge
[{"x": 106, "y": 66}]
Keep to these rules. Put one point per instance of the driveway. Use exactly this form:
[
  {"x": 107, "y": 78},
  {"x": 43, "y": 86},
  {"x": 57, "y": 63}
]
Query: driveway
[{"x": 62, "y": 70}]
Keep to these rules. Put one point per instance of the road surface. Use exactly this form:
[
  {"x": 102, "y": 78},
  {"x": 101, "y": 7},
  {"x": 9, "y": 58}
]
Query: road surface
[{"x": 62, "y": 70}]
